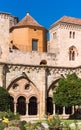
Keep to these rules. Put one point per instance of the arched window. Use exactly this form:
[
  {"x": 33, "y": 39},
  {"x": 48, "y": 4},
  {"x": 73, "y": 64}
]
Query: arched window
[
  {"x": 68, "y": 110},
  {"x": 50, "y": 105},
  {"x": 72, "y": 53},
  {"x": 21, "y": 105},
  {"x": 58, "y": 109},
  {"x": 32, "y": 106},
  {"x": 70, "y": 34},
  {"x": 43, "y": 62},
  {"x": 73, "y": 35}
]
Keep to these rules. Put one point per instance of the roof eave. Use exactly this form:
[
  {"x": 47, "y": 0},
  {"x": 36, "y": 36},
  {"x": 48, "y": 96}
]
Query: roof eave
[
  {"x": 57, "y": 23},
  {"x": 25, "y": 26}
]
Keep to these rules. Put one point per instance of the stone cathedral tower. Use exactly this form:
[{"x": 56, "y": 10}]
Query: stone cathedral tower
[{"x": 65, "y": 41}]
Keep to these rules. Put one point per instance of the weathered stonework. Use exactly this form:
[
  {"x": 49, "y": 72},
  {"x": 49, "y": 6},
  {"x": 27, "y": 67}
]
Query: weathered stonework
[{"x": 31, "y": 76}]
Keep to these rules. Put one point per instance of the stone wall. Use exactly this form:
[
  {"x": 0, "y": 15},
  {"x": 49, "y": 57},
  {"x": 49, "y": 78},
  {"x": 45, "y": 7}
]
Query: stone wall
[
  {"x": 31, "y": 58},
  {"x": 60, "y": 42},
  {"x": 43, "y": 80},
  {"x": 5, "y": 24}
]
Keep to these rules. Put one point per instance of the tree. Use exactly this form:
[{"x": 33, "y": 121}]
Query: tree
[
  {"x": 4, "y": 99},
  {"x": 68, "y": 92}
]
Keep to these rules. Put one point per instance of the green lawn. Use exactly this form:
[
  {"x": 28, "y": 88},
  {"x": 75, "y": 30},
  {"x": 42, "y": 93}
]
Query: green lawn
[
  {"x": 74, "y": 124},
  {"x": 71, "y": 121}
]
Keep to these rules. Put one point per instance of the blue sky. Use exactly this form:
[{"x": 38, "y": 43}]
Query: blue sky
[{"x": 46, "y": 12}]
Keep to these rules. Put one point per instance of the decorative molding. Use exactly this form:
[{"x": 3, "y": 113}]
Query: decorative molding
[{"x": 70, "y": 26}]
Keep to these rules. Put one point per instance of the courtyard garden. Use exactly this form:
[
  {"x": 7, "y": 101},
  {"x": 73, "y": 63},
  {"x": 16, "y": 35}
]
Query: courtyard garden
[
  {"x": 68, "y": 93},
  {"x": 9, "y": 121}
]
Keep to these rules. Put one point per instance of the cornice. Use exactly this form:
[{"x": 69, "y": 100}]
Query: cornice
[
  {"x": 66, "y": 26},
  {"x": 39, "y": 66}
]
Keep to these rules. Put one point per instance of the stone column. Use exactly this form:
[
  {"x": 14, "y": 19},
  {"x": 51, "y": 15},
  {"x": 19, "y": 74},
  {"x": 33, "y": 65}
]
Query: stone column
[
  {"x": 15, "y": 108},
  {"x": 54, "y": 109},
  {"x": 38, "y": 108},
  {"x": 63, "y": 110},
  {"x": 72, "y": 109},
  {"x": 27, "y": 108}
]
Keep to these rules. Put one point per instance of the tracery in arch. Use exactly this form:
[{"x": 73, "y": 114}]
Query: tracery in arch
[
  {"x": 73, "y": 53},
  {"x": 24, "y": 83}
]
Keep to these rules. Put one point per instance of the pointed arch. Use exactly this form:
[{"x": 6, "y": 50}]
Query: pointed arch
[
  {"x": 14, "y": 81},
  {"x": 52, "y": 86},
  {"x": 73, "y": 52}
]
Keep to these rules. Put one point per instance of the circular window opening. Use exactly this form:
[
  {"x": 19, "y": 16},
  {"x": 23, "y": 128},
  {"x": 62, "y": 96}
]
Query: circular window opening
[
  {"x": 15, "y": 86},
  {"x": 27, "y": 86}
]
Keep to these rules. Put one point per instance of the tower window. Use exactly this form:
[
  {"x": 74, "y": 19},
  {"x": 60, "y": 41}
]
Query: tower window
[
  {"x": 34, "y": 45},
  {"x": 71, "y": 34},
  {"x": 72, "y": 53},
  {"x": 35, "y": 29},
  {"x": 54, "y": 35}
]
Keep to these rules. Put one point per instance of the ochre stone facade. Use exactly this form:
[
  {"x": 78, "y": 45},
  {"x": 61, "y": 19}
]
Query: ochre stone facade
[
  {"x": 30, "y": 76},
  {"x": 22, "y": 35}
]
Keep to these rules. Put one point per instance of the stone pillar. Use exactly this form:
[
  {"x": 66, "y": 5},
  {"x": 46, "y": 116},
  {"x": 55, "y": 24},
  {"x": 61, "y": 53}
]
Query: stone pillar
[
  {"x": 38, "y": 108},
  {"x": 15, "y": 108},
  {"x": 2, "y": 79},
  {"x": 54, "y": 109},
  {"x": 27, "y": 108},
  {"x": 43, "y": 92},
  {"x": 73, "y": 109},
  {"x": 63, "y": 110}
]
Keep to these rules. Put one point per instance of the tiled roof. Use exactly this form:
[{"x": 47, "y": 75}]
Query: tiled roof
[
  {"x": 70, "y": 20},
  {"x": 28, "y": 21}
]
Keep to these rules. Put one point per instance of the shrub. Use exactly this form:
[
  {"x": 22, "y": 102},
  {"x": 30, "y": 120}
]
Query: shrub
[
  {"x": 4, "y": 99},
  {"x": 14, "y": 123},
  {"x": 11, "y": 116},
  {"x": 54, "y": 123},
  {"x": 22, "y": 125},
  {"x": 2, "y": 126},
  {"x": 3, "y": 114},
  {"x": 30, "y": 126}
]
